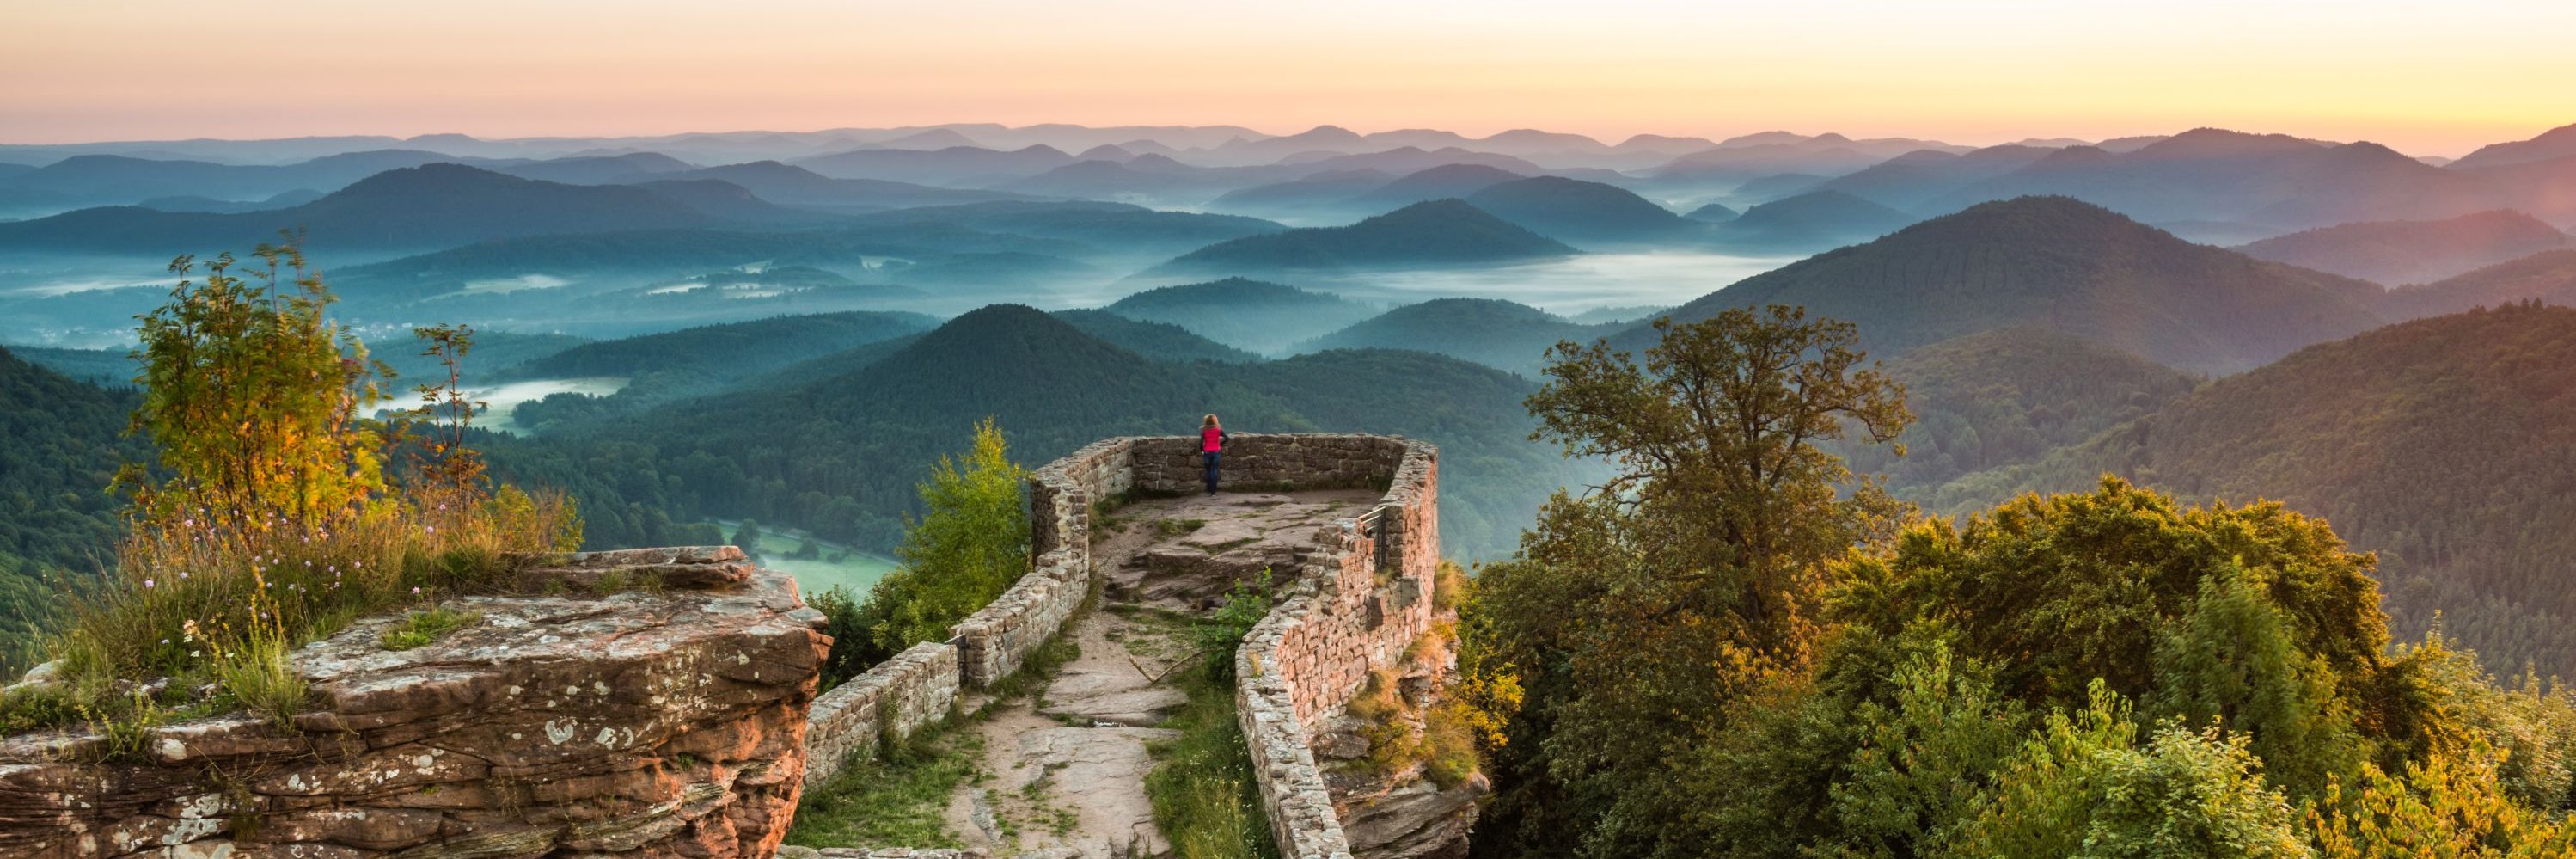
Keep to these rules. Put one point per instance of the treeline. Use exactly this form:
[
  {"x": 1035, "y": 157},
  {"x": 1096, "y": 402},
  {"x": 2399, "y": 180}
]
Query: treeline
[
  {"x": 1741, "y": 649},
  {"x": 2445, "y": 445}
]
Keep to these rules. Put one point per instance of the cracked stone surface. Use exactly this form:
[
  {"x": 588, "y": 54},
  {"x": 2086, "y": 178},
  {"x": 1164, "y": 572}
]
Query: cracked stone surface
[{"x": 670, "y": 723}]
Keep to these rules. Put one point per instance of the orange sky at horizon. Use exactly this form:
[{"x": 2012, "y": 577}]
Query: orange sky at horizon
[{"x": 1973, "y": 71}]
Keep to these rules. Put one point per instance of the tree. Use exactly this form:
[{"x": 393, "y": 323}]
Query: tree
[
  {"x": 1719, "y": 434},
  {"x": 747, "y": 538},
  {"x": 1637, "y": 613},
  {"x": 970, "y": 544},
  {"x": 257, "y": 402},
  {"x": 2083, "y": 787}
]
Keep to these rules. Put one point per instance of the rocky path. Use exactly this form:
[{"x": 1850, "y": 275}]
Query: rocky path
[{"x": 1066, "y": 768}]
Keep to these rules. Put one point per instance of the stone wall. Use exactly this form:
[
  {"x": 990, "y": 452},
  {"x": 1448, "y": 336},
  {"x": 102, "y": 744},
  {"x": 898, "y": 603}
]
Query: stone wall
[
  {"x": 1357, "y": 606},
  {"x": 641, "y": 724},
  {"x": 915, "y": 688}
]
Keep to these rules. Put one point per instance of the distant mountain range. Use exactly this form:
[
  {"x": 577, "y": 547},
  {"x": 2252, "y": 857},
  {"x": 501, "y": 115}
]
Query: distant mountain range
[
  {"x": 430, "y": 206},
  {"x": 2393, "y": 253},
  {"x": 797, "y": 186},
  {"x": 2068, "y": 266},
  {"x": 1436, "y": 233}
]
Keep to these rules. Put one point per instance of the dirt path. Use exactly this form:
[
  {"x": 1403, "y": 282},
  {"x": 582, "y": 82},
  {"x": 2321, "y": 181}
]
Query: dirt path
[{"x": 1067, "y": 769}]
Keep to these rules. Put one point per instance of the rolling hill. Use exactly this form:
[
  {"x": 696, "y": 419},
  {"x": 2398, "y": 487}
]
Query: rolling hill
[
  {"x": 840, "y": 454},
  {"x": 1499, "y": 334},
  {"x": 1160, "y": 341},
  {"x": 1573, "y": 210},
  {"x": 797, "y": 186},
  {"x": 2215, "y": 175},
  {"x": 2004, "y": 397},
  {"x": 2401, "y": 252},
  {"x": 1910, "y": 180},
  {"x": 2373, "y": 433},
  {"x": 431, "y": 206},
  {"x": 1117, "y": 227},
  {"x": 1810, "y": 222},
  {"x": 1325, "y": 190},
  {"x": 1436, "y": 183},
  {"x": 1422, "y": 235},
  {"x": 724, "y": 352},
  {"x": 2068, "y": 266},
  {"x": 951, "y": 165},
  {"x": 1713, "y": 213},
  {"x": 1248, "y": 314},
  {"x": 2548, "y": 277},
  {"x": 2549, "y": 145}
]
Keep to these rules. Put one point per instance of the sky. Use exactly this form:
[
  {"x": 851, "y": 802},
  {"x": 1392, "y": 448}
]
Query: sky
[{"x": 2427, "y": 78}]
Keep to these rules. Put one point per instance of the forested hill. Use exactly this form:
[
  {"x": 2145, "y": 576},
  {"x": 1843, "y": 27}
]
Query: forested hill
[
  {"x": 1489, "y": 331},
  {"x": 2394, "y": 253},
  {"x": 2066, "y": 265},
  {"x": 727, "y": 351},
  {"x": 2547, "y": 277},
  {"x": 1250, "y": 314},
  {"x": 840, "y": 454},
  {"x": 61, "y": 441},
  {"x": 2448, "y": 445},
  {"x": 2007, "y": 396}
]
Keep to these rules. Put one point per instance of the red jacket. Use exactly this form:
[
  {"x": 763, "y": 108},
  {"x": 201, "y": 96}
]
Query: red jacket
[{"x": 1211, "y": 439}]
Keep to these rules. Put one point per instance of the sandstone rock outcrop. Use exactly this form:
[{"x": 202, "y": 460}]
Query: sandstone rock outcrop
[{"x": 643, "y": 723}]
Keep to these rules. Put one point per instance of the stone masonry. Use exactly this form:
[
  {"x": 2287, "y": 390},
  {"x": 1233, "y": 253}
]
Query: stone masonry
[{"x": 1357, "y": 606}]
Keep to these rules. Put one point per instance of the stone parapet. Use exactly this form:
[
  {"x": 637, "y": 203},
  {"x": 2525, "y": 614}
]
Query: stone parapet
[
  {"x": 888, "y": 703},
  {"x": 1357, "y": 605}
]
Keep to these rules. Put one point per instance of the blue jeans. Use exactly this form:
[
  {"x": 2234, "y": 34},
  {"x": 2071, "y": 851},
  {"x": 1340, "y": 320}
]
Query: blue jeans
[{"x": 1212, "y": 457}]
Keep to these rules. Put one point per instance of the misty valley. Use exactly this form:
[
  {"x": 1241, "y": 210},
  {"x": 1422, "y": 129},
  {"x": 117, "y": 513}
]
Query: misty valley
[{"x": 1803, "y": 495}]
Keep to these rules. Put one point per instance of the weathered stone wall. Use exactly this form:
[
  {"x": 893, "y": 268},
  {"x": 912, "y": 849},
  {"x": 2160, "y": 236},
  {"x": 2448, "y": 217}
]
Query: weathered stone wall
[
  {"x": 915, "y": 688},
  {"x": 1268, "y": 461},
  {"x": 639, "y": 724},
  {"x": 998, "y": 639},
  {"x": 1357, "y": 606}
]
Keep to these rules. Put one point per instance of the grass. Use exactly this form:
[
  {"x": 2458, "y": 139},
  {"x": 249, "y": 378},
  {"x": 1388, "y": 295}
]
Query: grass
[
  {"x": 1169, "y": 528},
  {"x": 899, "y": 797},
  {"x": 1205, "y": 797},
  {"x": 419, "y": 628},
  {"x": 1202, "y": 786},
  {"x": 213, "y": 600}
]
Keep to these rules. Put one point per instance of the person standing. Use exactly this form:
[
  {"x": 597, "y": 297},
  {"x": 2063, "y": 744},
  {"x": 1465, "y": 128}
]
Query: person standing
[{"x": 1212, "y": 441}]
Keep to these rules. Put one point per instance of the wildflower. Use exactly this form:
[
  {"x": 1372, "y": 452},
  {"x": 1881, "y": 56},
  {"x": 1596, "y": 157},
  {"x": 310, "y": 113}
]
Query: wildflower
[
  {"x": 165, "y": 641},
  {"x": 415, "y": 590},
  {"x": 147, "y": 583}
]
